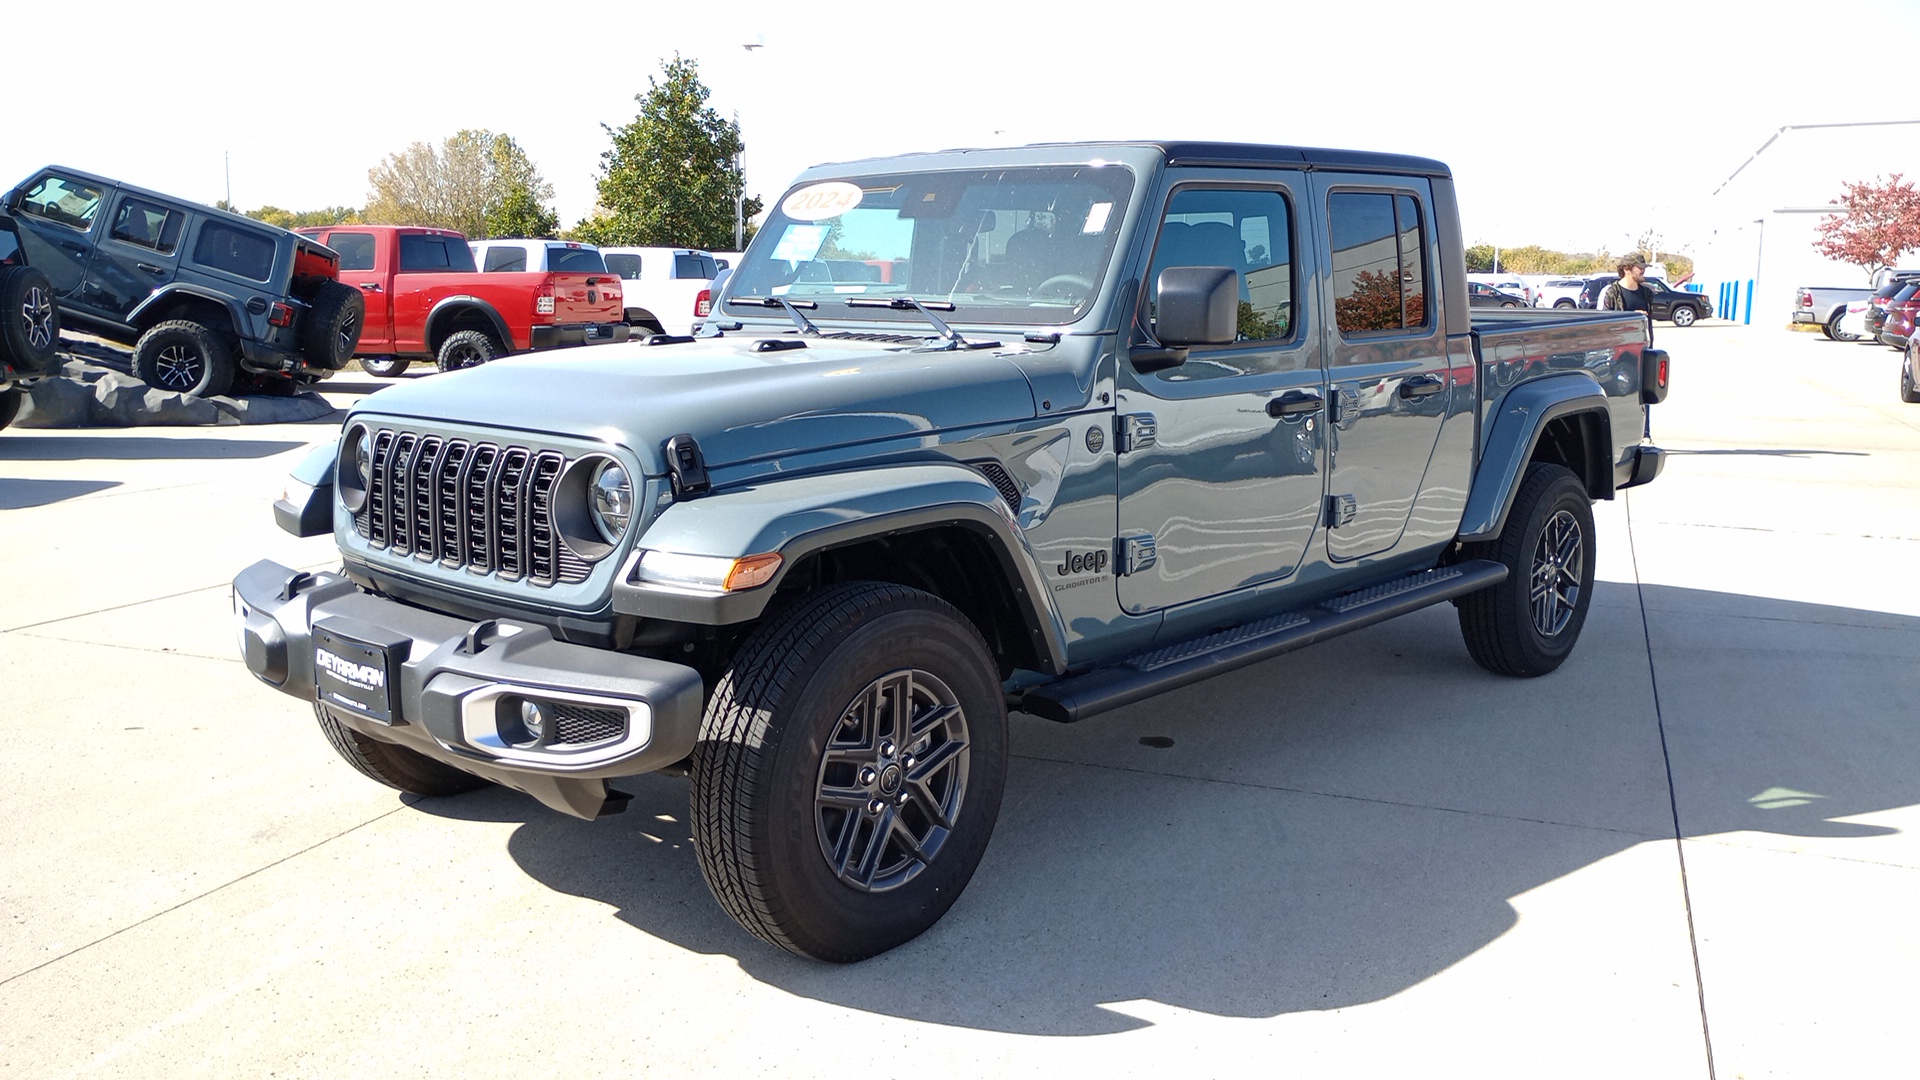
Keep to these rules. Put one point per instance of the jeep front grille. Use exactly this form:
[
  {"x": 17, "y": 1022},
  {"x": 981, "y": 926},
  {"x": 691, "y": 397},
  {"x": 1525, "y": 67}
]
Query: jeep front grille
[{"x": 476, "y": 505}]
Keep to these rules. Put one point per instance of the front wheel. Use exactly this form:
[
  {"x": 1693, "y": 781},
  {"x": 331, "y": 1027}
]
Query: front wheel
[
  {"x": 1564, "y": 304},
  {"x": 395, "y": 766},
  {"x": 1909, "y": 393},
  {"x": 849, "y": 771},
  {"x": 1527, "y": 625},
  {"x": 385, "y": 367},
  {"x": 1684, "y": 315}
]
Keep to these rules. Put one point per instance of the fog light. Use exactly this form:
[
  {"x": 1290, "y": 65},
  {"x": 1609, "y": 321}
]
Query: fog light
[{"x": 533, "y": 717}]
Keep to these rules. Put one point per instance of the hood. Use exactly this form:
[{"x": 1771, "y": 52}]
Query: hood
[{"x": 739, "y": 402}]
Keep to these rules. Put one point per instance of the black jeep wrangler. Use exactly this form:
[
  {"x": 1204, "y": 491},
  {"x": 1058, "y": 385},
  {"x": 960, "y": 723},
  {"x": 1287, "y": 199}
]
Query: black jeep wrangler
[{"x": 210, "y": 301}]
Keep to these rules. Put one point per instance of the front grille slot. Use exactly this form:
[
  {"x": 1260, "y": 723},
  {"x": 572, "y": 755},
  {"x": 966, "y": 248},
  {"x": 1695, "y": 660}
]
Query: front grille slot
[{"x": 466, "y": 504}]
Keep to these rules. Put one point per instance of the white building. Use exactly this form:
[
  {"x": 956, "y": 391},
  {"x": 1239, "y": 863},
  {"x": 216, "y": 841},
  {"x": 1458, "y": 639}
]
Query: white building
[{"x": 1762, "y": 219}]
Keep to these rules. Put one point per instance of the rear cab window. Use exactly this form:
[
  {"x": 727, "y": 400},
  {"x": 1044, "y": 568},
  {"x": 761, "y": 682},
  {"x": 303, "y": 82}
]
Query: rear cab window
[
  {"x": 561, "y": 257},
  {"x": 690, "y": 266},
  {"x": 1379, "y": 265},
  {"x": 422, "y": 252}
]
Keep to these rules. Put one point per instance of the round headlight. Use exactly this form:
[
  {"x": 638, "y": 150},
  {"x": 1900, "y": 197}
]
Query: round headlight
[
  {"x": 363, "y": 459},
  {"x": 612, "y": 495},
  {"x": 354, "y": 473}
]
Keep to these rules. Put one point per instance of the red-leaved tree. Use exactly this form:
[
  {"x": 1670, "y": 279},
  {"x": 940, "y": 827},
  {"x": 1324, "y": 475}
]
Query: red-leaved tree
[{"x": 1879, "y": 222}]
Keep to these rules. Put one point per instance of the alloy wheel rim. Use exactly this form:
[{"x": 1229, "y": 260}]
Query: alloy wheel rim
[
  {"x": 178, "y": 366},
  {"x": 37, "y": 310},
  {"x": 892, "y": 780},
  {"x": 1559, "y": 563}
]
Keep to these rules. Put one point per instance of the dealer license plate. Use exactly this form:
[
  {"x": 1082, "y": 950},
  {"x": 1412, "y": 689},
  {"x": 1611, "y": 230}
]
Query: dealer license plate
[{"x": 353, "y": 675}]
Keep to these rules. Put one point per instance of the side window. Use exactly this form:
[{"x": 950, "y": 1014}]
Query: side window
[
  {"x": 627, "y": 266},
  {"x": 355, "y": 249},
  {"x": 505, "y": 260},
  {"x": 148, "y": 225},
  {"x": 1247, "y": 231},
  {"x": 67, "y": 202},
  {"x": 419, "y": 252},
  {"x": 241, "y": 252},
  {"x": 1379, "y": 268}
]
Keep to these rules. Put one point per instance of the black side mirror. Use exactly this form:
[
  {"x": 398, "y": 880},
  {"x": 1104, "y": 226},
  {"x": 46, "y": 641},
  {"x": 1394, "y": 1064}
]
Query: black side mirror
[{"x": 1197, "y": 305}]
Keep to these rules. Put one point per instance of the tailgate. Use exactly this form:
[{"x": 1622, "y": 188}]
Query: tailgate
[{"x": 586, "y": 298}]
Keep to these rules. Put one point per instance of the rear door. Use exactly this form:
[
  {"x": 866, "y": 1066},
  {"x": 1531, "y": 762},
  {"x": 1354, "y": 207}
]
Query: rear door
[
  {"x": 139, "y": 253},
  {"x": 363, "y": 266},
  {"x": 1386, "y": 355}
]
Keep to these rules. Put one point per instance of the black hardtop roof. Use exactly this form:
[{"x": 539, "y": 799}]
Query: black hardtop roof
[
  {"x": 1242, "y": 155},
  {"x": 160, "y": 196}
]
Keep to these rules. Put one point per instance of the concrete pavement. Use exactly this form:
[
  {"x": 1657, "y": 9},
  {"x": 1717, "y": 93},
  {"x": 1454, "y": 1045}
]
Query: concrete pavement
[{"x": 1369, "y": 858}]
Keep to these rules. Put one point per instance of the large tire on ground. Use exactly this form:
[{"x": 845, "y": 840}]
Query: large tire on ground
[
  {"x": 1528, "y": 624},
  {"x": 386, "y": 367},
  {"x": 332, "y": 329},
  {"x": 467, "y": 348},
  {"x": 29, "y": 321},
  {"x": 1832, "y": 329},
  {"x": 1564, "y": 304},
  {"x": 849, "y": 771},
  {"x": 1909, "y": 392},
  {"x": 10, "y": 400},
  {"x": 394, "y": 766},
  {"x": 185, "y": 357},
  {"x": 1683, "y": 314}
]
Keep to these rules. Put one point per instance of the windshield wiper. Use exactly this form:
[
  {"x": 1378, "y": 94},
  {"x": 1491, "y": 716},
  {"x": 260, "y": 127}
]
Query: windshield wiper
[
  {"x": 925, "y": 308},
  {"x": 792, "y": 307}
]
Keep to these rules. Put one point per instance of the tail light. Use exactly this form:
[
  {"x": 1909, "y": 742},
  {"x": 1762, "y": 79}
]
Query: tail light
[
  {"x": 703, "y": 304},
  {"x": 280, "y": 315},
  {"x": 1806, "y": 298},
  {"x": 543, "y": 300}
]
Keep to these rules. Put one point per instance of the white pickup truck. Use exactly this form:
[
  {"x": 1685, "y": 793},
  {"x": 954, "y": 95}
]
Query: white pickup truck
[{"x": 666, "y": 288}]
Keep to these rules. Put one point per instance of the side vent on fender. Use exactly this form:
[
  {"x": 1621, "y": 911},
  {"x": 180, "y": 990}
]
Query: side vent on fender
[{"x": 1002, "y": 482}]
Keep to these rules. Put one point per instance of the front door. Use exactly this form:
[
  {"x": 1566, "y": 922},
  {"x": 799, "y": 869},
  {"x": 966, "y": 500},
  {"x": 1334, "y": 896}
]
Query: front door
[
  {"x": 1220, "y": 458},
  {"x": 57, "y": 215},
  {"x": 1386, "y": 356}
]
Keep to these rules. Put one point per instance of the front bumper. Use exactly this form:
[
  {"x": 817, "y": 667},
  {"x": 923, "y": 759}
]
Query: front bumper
[
  {"x": 559, "y": 336},
  {"x": 454, "y": 689}
]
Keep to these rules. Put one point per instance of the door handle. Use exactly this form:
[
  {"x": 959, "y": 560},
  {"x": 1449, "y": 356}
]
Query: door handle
[
  {"x": 150, "y": 268},
  {"x": 1294, "y": 403},
  {"x": 1419, "y": 386},
  {"x": 370, "y": 286}
]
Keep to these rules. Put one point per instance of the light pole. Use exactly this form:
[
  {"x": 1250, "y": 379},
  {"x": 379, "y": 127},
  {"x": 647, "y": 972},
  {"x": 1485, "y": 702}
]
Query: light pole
[
  {"x": 740, "y": 195},
  {"x": 1759, "y": 251}
]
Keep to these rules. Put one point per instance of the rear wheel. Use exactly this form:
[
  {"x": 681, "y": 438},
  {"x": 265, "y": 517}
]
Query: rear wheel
[
  {"x": 386, "y": 367},
  {"x": 185, "y": 357},
  {"x": 29, "y": 320},
  {"x": 1528, "y": 624},
  {"x": 1564, "y": 304},
  {"x": 467, "y": 348},
  {"x": 395, "y": 766},
  {"x": 1909, "y": 393},
  {"x": 849, "y": 771}
]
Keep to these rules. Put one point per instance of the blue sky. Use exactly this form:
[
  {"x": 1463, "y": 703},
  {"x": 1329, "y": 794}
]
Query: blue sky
[{"x": 1569, "y": 125}]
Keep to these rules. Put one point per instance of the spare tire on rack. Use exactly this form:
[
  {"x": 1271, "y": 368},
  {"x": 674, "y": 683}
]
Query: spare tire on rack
[
  {"x": 332, "y": 330},
  {"x": 29, "y": 321}
]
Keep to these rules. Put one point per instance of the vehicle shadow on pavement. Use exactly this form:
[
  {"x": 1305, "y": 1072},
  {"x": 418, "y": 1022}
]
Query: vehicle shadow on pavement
[
  {"x": 1341, "y": 824},
  {"x": 20, "y": 494},
  {"x": 20, "y": 446}
]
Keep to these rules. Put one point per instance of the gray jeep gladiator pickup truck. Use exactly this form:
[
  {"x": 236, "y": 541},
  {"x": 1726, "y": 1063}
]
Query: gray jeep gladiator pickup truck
[{"x": 1051, "y": 429}]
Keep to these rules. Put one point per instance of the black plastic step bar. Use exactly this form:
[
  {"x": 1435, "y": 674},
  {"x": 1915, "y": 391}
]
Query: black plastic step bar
[{"x": 1169, "y": 667}]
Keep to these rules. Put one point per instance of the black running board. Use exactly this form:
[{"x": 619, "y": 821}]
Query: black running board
[{"x": 1139, "y": 677}]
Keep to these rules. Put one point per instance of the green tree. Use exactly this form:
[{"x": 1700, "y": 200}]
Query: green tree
[
  {"x": 300, "y": 219},
  {"x": 475, "y": 182},
  {"x": 673, "y": 174}
]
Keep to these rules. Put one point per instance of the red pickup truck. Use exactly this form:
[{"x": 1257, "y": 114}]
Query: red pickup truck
[{"x": 426, "y": 300}]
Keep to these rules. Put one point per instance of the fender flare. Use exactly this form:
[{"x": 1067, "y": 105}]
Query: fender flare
[
  {"x": 445, "y": 309},
  {"x": 801, "y": 516},
  {"x": 1522, "y": 416},
  {"x": 166, "y": 294}
]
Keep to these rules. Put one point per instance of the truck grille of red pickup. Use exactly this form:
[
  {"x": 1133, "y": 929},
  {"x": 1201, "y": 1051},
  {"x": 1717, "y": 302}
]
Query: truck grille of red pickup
[{"x": 461, "y": 503}]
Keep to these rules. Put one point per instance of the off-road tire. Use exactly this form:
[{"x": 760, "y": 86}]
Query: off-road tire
[
  {"x": 395, "y": 766},
  {"x": 10, "y": 401},
  {"x": 386, "y": 367},
  {"x": 333, "y": 324},
  {"x": 467, "y": 348},
  {"x": 1909, "y": 392},
  {"x": 798, "y": 771},
  {"x": 185, "y": 357},
  {"x": 1547, "y": 545},
  {"x": 29, "y": 320}
]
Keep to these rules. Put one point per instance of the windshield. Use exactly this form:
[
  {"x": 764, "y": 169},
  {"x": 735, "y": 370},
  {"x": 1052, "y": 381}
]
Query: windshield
[{"x": 1024, "y": 246}]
